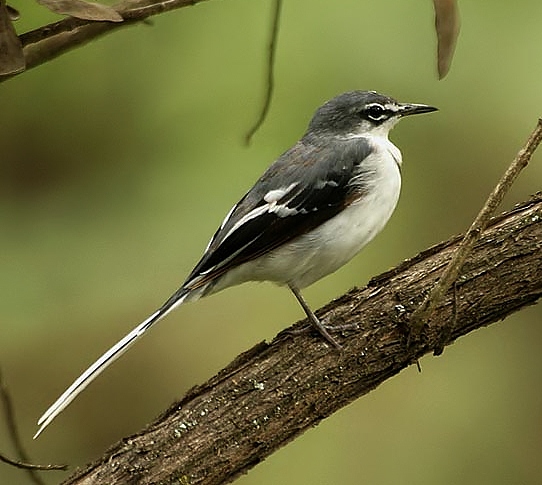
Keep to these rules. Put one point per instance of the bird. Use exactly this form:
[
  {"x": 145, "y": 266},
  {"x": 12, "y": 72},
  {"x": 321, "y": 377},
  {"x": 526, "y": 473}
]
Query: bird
[{"x": 310, "y": 212}]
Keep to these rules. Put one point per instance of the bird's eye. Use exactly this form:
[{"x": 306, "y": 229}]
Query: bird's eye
[{"x": 376, "y": 112}]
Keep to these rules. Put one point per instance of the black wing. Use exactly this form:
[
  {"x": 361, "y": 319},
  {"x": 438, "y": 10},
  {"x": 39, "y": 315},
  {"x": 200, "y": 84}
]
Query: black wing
[{"x": 311, "y": 184}]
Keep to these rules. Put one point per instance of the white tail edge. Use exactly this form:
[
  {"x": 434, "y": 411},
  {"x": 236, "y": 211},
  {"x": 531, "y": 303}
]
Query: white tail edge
[{"x": 97, "y": 368}]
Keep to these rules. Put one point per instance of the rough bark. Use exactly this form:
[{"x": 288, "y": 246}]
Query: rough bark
[{"x": 275, "y": 391}]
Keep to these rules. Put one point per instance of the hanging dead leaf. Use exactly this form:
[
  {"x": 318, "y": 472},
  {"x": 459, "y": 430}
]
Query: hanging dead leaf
[
  {"x": 82, "y": 9},
  {"x": 447, "y": 27},
  {"x": 11, "y": 50}
]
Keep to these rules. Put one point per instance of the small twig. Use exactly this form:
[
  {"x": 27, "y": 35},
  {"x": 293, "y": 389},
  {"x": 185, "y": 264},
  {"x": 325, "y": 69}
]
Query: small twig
[
  {"x": 423, "y": 312},
  {"x": 31, "y": 466},
  {"x": 270, "y": 83},
  {"x": 15, "y": 439}
]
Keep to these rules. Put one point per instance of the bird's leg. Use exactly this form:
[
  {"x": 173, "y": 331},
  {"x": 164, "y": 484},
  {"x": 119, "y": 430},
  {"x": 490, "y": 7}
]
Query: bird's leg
[{"x": 313, "y": 319}]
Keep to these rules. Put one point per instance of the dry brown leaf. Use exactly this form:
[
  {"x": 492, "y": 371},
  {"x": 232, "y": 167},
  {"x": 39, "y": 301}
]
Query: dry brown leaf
[
  {"x": 11, "y": 50},
  {"x": 82, "y": 9},
  {"x": 447, "y": 27}
]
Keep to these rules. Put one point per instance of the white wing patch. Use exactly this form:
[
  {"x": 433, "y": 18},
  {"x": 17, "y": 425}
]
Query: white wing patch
[
  {"x": 228, "y": 215},
  {"x": 282, "y": 210},
  {"x": 272, "y": 197},
  {"x": 247, "y": 217},
  {"x": 277, "y": 194}
]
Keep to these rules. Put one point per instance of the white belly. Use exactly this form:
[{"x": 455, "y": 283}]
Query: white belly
[{"x": 328, "y": 247}]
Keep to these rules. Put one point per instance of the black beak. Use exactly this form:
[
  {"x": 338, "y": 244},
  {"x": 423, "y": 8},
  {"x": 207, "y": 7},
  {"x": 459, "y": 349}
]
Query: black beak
[{"x": 408, "y": 109}]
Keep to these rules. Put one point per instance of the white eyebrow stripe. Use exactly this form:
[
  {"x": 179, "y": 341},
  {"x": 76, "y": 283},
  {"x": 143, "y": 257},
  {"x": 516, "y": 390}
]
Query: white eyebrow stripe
[{"x": 391, "y": 107}]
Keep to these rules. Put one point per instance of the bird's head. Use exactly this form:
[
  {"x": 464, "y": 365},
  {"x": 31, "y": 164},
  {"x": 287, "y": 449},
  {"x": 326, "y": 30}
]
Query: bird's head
[{"x": 359, "y": 113}]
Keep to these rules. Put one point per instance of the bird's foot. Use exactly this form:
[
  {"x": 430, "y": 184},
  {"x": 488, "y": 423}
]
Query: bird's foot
[{"x": 325, "y": 330}]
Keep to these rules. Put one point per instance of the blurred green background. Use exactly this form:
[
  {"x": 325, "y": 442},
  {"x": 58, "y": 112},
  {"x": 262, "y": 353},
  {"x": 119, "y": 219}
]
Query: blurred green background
[{"x": 119, "y": 160}]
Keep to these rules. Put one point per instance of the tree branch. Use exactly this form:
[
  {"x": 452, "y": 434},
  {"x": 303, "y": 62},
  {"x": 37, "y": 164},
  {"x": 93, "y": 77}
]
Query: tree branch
[
  {"x": 274, "y": 392},
  {"x": 449, "y": 276},
  {"x": 50, "y": 41}
]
